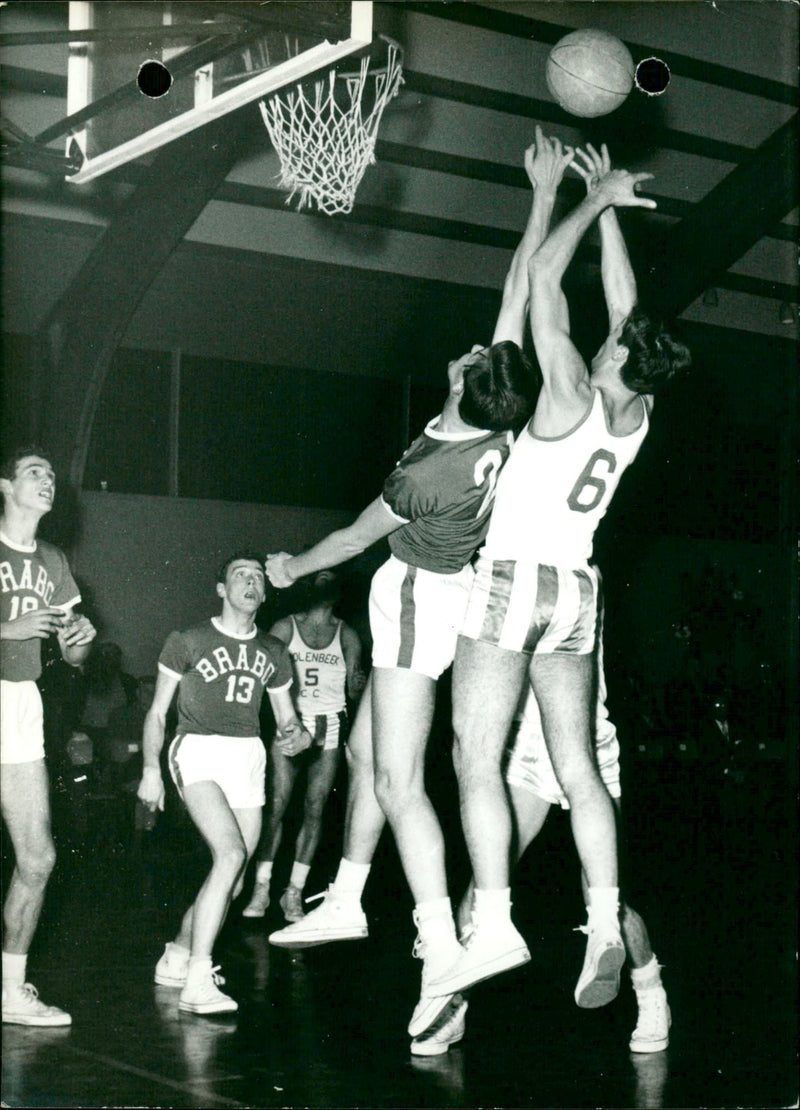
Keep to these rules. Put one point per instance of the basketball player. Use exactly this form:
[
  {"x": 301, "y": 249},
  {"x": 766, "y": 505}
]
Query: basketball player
[
  {"x": 533, "y": 606},
  {"x": 220, "y": 669},
  {"x": 326, "y": 659},
  {"x": 37, "y": 599},
  {"x": 435, "y": 509}
]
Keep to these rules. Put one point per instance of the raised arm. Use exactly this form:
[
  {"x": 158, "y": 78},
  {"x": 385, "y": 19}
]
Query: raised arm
[
  {"x": 563, "y": 369},
  {"x": 545, "y": 163},
  {"x": 619, "y": 280},
  {"x": 372, "y": 525}
]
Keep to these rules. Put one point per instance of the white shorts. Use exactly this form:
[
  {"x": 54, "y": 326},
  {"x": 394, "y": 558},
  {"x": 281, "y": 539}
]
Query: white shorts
[
  {"x": 235, "y": 763},
  {"x": 415, "y": 616},
  {"x": 527, "y": 762},
  {"x": 532, "y": 607},
  {"x": 21, "y": 722},
  {"x": 328, "y": 730}
]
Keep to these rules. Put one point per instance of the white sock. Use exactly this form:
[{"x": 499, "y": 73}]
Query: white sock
[
  {"x": 264, "y": 871},
  {"x": 14, "y": 967},
  {"x": 434, "y": 919},
  {"x": 492, "y": 903},
  {"x": 351, "y": 878},
  {"x": 647, "y": 977},
  {"x": 299, "y": 874},
  {"x": 180, "y": 949},
  {"x": 198, "y": 966},
  {"x": 603, "y": 904}
]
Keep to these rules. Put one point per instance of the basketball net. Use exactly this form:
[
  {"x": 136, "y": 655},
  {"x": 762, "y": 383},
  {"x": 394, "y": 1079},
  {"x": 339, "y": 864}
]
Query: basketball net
[{"x": 324, "y": 149}]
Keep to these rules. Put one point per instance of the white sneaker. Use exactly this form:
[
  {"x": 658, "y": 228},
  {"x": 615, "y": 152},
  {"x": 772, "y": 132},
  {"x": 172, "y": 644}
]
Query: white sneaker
[
  {"x": 172, "y": 968},
  {"x": 435, "y": 961},
  {"x": 652, "y": 1029},
  {"x": 447, "y": 1030},
  {"x": 22, "y": 1006},
  {"x": 605, "y": 954},
  {"x": 201, "y": 995},
  {"x": 292, "y": 904},
  {"x": 257, "y": 906},
  {"x": 493, "y": 946},
  {"x": 335, "y": 919}
]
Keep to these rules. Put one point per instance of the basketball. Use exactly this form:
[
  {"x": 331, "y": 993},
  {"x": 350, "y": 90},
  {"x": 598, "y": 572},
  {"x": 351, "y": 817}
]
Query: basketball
[{"x": 589, "y": 73}]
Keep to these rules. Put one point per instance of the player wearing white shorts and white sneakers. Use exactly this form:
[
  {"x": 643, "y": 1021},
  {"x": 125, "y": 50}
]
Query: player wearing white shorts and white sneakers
[
  {"x": 37, "y": 598},
  {"x": 533, "y": 610},
  {"x": 220, "y": 670},
  {"x": 326, "y": 660},
  {"x": 435, "y": 509}
]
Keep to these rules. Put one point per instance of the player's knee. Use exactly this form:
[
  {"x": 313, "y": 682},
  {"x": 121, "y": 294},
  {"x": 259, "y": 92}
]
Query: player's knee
[
  {"x": 394, "y": 792},
  {"x": 36, "y": 866},
  {"x": 231, "y": 857}
]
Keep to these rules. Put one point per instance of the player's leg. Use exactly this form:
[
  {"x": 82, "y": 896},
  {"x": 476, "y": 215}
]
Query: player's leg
[
  {"x": 282, "y": 775},
  {"x": 321, "y": 776},
  {"x": 564, "y": 689},
  {"x": 340, "y": 916},
  {"x": 24, "y": 794},
  {"x": 487, "y": 681},
  {"x": 217, "y": 824}
]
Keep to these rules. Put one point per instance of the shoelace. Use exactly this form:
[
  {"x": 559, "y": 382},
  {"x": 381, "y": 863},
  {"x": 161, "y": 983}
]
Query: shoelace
[
  {"x": 322, "y": 894},
  {"x": 29, "y": 991},
  {"x": 217, "y": 979}
]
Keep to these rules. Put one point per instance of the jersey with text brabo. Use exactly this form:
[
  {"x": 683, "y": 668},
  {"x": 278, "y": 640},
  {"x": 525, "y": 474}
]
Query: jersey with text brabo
[
  {"x": 223, "y": 677},
  {"x": 30, "y": 578},
  {"x": 442, "y": 490},
  {"x": 320, "y": 673},
  {"x": 553, "y": 493}
]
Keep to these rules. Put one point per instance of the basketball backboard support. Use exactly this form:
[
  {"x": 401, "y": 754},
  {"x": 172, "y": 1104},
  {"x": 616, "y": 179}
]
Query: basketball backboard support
[{"x": 216, "y": 57}]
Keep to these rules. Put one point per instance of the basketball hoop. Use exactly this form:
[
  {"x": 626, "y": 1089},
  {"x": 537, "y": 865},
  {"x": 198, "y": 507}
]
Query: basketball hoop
[{"x": 325, "y": 148}]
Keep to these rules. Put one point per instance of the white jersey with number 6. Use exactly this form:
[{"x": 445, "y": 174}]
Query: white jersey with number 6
[{"x": 552, "y": 493}]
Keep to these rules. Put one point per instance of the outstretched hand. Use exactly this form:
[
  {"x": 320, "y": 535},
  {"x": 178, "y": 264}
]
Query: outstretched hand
[
  {"x": 594, "y": 165},
  {"x": 546, "y": 160},
  {"x": 277, "y": 571},
  {"x": 619, "y": 188}
]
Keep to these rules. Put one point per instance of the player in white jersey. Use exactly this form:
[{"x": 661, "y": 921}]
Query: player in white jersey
[
  {"x": 435, "y": 508},
  {"x": 220, "y": 670},
  {"x": 534, "y": 604},
  {"x": 37, "y": 599},
  {"x": 326, "y": 660}
]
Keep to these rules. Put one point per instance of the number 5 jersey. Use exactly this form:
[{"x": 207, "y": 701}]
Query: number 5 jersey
[{"x": 553, "y": 493}]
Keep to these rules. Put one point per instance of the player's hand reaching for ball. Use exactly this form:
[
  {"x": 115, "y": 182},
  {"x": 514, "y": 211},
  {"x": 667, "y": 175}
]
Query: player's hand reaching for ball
[
  {"x": 35, "y": 625},
  {"x": 292, "y": 738},
  {"x": 277, "y": 570},
  {"x": 546, "y": 160},
  {"x": 592, "y": 165},
  {"x": 619, "y": 187}
]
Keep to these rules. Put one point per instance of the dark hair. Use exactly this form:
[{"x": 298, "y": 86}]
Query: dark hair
[
  {"x": 9, "y": 465},
  {"x": 500, "y": 389},
  {"x": 246, "y": 553},
  {"x": 654, "y": 356}
]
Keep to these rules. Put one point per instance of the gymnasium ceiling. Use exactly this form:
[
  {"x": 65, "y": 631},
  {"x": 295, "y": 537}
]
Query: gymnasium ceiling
[{"x": 448, "y": 197}]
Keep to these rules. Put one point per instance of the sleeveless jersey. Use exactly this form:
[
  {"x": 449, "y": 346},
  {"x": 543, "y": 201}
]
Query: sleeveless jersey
[
  {"x": 553, "y": 492},
  {"x": 223, "y": 677},
  {"x": 442, "y": 490},
  {"x": 321, "y": 673},
  {"x": 30, "y": 578}
]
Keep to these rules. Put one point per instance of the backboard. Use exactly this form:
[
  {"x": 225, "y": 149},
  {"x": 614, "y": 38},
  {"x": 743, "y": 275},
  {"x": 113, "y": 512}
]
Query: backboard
[{"x": 211, "y": 58}]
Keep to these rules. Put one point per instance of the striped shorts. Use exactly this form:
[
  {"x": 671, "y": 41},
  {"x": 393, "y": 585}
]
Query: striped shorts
[
  {"x": 415, "y": 616},
  {"x": 527, "y": 762},
  {"x": 532, "y": 607},
  {"x": 328, "y": 730}
]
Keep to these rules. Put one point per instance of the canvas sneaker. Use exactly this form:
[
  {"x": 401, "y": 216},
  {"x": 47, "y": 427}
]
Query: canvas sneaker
[
  {"x": 335, "y": 919},
  {"x": 292, "y": 904},
  {"x": 435, "y": 960},
  {"x": 652, "y": 1029},
  {"x": 605, "y": 954},
  {"x": 201, "y": 995},
  {"x": 493, "y": 945},
  {"x": 22, "y": 1006},
  {"x": 257, "y": 906},
  {"x": 172, "y": 968},
  {"x": 447, "y": 1030}
]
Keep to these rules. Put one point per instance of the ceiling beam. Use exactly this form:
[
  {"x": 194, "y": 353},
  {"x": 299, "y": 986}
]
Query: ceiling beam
[{"x": 726, "y": 223}]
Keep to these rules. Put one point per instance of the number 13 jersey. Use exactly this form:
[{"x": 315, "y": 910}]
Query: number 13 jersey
[
  {"x": 553, "y": 493},
  {"x": 442, "y": 491}
]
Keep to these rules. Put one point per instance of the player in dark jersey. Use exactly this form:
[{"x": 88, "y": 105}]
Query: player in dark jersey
[
  {"x": 435, "y": 509},
  {"x": 220, "y": 669},
  {"x": 37, "y": 598}
]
